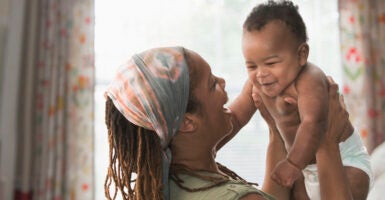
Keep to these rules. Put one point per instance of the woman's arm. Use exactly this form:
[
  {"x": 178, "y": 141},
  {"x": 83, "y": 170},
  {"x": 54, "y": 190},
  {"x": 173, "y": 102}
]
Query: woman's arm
[
  {"x": 242, "y": 109},
  {"x": 276, "y": 152},
  {"x": 332, "y": 177}
]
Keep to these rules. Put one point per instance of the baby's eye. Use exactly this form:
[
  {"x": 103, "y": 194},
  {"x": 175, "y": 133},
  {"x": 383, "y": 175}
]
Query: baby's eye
[
  {"x": 270, "y": 63},
  {"x": 251, "y": 67}
]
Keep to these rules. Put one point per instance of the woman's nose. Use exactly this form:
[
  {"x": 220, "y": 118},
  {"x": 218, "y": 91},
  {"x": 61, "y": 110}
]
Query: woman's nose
[{"x": 222, "y": 82}]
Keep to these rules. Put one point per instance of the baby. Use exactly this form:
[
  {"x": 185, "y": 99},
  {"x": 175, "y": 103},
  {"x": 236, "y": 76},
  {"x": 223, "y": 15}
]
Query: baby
[{"x": 294, "y": 91}]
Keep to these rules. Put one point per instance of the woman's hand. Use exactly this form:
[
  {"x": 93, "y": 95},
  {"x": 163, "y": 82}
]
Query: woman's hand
[
  {"x": 262, "y": 108},
  {"x": 276, "y": 151},
  {"x": 339, "y": 126},
  {"x": 332, "y": 176}
]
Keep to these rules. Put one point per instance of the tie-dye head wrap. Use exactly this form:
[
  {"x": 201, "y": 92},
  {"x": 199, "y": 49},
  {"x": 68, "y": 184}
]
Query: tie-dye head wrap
[{"x": 152, "y": 91}]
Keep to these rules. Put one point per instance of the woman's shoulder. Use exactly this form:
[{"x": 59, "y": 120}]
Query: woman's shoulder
[{"x": 194, "y": 187}]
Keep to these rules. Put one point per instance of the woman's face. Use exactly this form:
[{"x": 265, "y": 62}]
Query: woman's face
[{"x": 211, "y": 95}]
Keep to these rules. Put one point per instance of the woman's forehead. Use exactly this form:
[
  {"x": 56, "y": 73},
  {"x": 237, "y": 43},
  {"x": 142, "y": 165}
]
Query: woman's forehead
[{"x": 198, "y": 64}]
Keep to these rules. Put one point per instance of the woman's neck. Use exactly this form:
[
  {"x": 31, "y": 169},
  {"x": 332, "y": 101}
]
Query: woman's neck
[{"x": 195, "y": 159}]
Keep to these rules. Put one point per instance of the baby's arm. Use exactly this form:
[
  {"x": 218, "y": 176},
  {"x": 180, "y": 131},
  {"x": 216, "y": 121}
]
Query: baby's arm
[
  {"x": 242, "y": 109},
  {"x": 312, "y": 88}
]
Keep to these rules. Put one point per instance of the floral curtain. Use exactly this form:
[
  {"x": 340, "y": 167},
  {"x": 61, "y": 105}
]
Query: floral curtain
[
  {"x": 56, "y": 133},
  {"x": 362, "y": 29}
]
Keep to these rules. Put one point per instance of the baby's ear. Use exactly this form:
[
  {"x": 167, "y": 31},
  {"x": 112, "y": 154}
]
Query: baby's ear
[
  {"x": 303, "y": 53},
  {"x": 189, "y": 123}
]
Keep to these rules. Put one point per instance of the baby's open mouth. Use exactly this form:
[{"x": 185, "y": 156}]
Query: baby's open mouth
[{"x": 267, "y": 84}]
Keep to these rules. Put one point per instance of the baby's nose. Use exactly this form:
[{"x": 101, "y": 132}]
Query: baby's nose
[{"x": 262, "y": 73}]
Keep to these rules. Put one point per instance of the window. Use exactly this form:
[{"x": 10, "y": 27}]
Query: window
[{"x": 213, "y": 29}]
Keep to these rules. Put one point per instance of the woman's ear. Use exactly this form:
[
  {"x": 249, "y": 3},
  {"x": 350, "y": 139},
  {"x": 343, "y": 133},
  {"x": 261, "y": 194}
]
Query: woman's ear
[
  {"x": 189, "y": 123},
  {"x": 303, "y": 53}
]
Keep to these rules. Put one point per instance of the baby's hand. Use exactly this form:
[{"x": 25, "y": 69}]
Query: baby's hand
[{"x": 285, "y": 173}]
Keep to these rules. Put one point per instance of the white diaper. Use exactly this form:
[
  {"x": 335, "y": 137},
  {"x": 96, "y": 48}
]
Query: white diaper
[{"x": 353, "y": 154}]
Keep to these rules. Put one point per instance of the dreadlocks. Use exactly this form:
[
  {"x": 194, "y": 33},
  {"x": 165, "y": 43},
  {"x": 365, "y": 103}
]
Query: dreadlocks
[
  {"x": 135, "y": 164},
  {"x": 133, "y": 151}
]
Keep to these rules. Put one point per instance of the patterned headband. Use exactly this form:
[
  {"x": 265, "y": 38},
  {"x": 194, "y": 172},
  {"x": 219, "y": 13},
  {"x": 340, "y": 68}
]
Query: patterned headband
[{"x": 151, "y": 91}]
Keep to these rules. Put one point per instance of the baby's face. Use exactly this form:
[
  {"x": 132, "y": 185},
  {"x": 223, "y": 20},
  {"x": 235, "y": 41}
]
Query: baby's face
[{"x": 272, "y": 57}]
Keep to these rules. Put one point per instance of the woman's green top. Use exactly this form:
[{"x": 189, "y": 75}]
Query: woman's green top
[{"x": 231, "y": 190}]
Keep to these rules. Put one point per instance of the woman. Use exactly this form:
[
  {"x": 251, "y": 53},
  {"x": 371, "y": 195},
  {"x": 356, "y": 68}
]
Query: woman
[{"x": 166, "y": 120}]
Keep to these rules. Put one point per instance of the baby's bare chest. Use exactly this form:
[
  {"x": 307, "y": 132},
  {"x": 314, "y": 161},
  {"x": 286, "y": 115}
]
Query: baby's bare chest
[
  {"x": 283, "y": 104},
  {"x": 284, "y": 109}
]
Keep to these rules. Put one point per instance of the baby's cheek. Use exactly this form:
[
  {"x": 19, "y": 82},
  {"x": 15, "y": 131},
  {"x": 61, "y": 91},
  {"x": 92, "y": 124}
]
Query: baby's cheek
[{"x": 251, "y": 75}]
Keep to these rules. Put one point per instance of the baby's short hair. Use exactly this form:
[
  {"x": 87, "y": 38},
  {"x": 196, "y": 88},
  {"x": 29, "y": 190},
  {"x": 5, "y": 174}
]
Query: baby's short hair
[{"x": 284, "y": 11}]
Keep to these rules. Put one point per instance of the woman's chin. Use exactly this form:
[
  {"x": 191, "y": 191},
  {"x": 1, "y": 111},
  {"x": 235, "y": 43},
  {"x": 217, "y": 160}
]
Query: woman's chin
[
  {"x": 231, "y": 127},
  {"x": 229, "y": 113}
]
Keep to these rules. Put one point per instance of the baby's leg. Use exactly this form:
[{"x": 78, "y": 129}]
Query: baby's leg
[
  {"x": 359, "y": 182},
  {"x": 298, "y": 192},
  {"x": 356, "y": 163}
]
